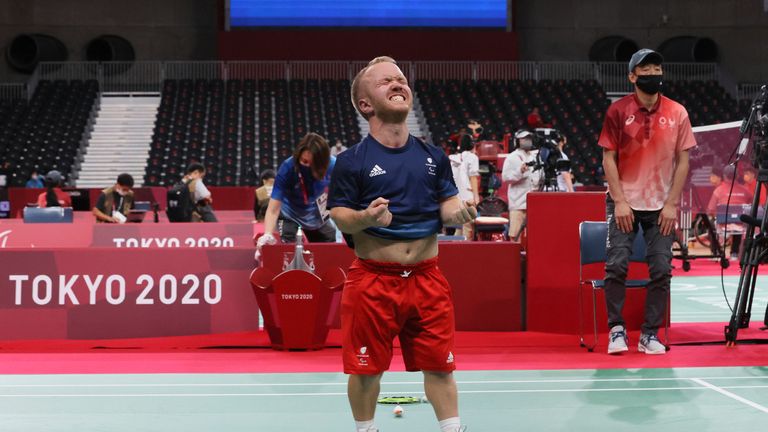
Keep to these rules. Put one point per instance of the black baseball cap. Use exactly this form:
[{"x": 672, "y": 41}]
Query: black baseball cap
[{"x": 644, "y": 56}]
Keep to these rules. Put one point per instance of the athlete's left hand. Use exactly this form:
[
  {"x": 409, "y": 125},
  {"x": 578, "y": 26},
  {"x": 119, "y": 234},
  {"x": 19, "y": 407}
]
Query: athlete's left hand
[
  {"x": 467, "y": 212},
  {"x": 667, "y": 219}
]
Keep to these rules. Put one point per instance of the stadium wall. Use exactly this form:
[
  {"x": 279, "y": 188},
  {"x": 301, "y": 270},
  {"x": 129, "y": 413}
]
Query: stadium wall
[
  {"x": 565, "y": 29},
  {"x": 158, "y": 30},
  {"x": 545, "y": 30}
]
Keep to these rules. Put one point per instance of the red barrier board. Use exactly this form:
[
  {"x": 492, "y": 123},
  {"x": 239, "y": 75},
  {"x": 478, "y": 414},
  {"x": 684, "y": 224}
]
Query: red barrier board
[
  {"x": 125, "y": 293},
  {"x": 99, "y": 293},
  {"x": 485, "y": 277},
  {"x": 553, "y": 263},
  {"x": 147, "y": 235}
]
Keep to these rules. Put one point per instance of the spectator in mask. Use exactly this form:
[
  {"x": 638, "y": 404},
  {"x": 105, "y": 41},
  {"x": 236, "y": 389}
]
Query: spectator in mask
[
  {"x": 338, "y": 148},
  {"x": 519, "y": 171}
]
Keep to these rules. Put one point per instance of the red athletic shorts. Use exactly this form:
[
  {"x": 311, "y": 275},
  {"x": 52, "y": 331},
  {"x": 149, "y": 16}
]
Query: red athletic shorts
[{"x": 384, "y": 300}]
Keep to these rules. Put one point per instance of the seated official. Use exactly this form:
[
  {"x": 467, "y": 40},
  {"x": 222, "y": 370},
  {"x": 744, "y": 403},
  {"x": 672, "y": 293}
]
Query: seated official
[
  {"x": 53, "y": 195},
  {"x": 115, "y": 202}
]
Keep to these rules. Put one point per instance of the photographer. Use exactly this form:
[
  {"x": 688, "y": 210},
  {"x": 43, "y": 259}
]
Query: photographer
[{"x": 518, "y": 171}]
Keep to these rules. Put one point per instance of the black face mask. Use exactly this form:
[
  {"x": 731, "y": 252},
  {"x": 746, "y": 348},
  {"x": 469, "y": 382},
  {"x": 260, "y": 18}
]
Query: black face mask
[{"x": 650, "y": 84}]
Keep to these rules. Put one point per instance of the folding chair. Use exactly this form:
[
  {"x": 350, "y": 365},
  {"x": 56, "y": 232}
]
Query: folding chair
[{"x": 592, "y": 250}]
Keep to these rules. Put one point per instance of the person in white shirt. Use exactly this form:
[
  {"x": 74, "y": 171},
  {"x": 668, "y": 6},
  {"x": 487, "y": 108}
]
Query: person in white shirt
[
  {"x": 564, "y": 180},
  {"x": 519, "y": 171},
  {"x": 466, "y": 174},
  {"x": 338, "y": 148}
]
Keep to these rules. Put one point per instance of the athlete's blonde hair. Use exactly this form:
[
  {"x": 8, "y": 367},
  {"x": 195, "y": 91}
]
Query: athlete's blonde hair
[{"x": 355, "y": 91}]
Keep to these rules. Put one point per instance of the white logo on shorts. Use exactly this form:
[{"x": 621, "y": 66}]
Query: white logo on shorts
[
  {"x": 362, "y": 358},
  {"x": 406, "y": 273},
  {"x": 450, "y": 357}
]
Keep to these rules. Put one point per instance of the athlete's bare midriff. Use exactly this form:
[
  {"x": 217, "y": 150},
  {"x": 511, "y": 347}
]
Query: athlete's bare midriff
[{"x": 397, "y": 251}]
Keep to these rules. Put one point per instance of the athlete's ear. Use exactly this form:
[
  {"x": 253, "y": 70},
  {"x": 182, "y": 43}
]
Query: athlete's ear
[{"x": 365, "y": 106}]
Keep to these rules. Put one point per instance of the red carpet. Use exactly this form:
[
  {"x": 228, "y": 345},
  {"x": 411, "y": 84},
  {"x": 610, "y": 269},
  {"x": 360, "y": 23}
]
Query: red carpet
[
  {"x": 250, "y": 352},
  {"x": 706, "y": 267},
  {"x": 475, "y": 351}
]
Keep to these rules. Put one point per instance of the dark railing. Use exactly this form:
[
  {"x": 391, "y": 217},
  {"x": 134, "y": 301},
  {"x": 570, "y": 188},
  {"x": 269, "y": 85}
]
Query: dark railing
[{"x": 148, "y": 76}]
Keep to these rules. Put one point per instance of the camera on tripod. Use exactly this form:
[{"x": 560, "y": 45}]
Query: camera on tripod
[
  {"x": 755, "y": 251},
  {"x": 757, "y": 124},
  {"x": 549, "y": 157}
]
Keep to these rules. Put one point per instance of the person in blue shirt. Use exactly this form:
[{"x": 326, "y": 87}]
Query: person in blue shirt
[
  {"x": 300, "y": 194},
  {"x": 392, "y": 193},
  {"x": 35, "y": 182}
]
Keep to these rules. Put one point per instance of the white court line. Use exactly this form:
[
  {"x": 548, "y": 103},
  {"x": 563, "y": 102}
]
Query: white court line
[
  {"x": 313, "y": 384},
  {"x": 189, "y": 395},
  {"x": 724, "y": 392}
]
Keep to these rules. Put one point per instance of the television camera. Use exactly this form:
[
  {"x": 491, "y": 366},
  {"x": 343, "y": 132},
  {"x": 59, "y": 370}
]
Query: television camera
[{"x": 549, "y": 158}]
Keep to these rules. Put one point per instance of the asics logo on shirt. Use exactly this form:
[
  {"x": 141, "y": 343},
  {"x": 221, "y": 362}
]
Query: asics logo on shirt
[
  {"x": 406, "y": 273},
  {"x": 376, "y": 171}
]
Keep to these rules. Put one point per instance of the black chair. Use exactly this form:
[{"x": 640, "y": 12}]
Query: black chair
[{"x": 592, "y": 250}]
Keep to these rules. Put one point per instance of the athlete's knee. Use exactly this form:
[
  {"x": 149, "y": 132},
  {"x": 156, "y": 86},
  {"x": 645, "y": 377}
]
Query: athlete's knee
[
  {"x": 438, "y": 375},
  {"x": 364, "y": 381}
]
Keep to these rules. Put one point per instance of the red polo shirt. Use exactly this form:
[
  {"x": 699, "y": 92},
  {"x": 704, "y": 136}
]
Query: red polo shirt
[{"x": 646, "y": 142}]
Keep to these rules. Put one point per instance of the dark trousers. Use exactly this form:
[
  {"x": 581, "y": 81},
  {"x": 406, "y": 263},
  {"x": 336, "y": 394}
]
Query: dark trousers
[
  {"x": 288, "y": 228},
  {"x": 205, "y": 213},
  {"x": 659, "y": 256}
]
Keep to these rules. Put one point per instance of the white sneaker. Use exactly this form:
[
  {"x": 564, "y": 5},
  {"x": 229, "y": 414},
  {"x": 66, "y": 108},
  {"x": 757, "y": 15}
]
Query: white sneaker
[
  {"x": 650, "y": 344},
  {"x": 617, "y": 340}
]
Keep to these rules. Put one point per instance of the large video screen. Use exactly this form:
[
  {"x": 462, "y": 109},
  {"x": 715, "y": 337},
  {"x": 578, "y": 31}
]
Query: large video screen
[{"x": 368, "y": 13}]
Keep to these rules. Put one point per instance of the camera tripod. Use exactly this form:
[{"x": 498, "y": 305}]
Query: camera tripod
[{"x": 755, "y": 252}]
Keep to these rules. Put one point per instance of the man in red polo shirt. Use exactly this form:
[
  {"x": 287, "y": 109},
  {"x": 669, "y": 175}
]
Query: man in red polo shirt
[{"x": 645, "y": 140}]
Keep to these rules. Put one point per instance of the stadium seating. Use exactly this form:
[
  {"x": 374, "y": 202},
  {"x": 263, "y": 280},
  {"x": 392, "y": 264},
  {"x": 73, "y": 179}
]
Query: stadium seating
[
  {"x": 240, "y": 128},
  {"x": 47, "y": 132},
  {"x": 574, "y": 107}
]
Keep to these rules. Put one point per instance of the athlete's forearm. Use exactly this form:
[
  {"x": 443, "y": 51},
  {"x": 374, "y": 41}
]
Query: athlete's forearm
[{"x": 350, "y": 221}]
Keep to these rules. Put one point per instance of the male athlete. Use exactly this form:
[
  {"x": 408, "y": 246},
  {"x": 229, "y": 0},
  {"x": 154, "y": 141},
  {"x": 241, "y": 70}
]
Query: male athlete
[{"x": 392, "y": 193}]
